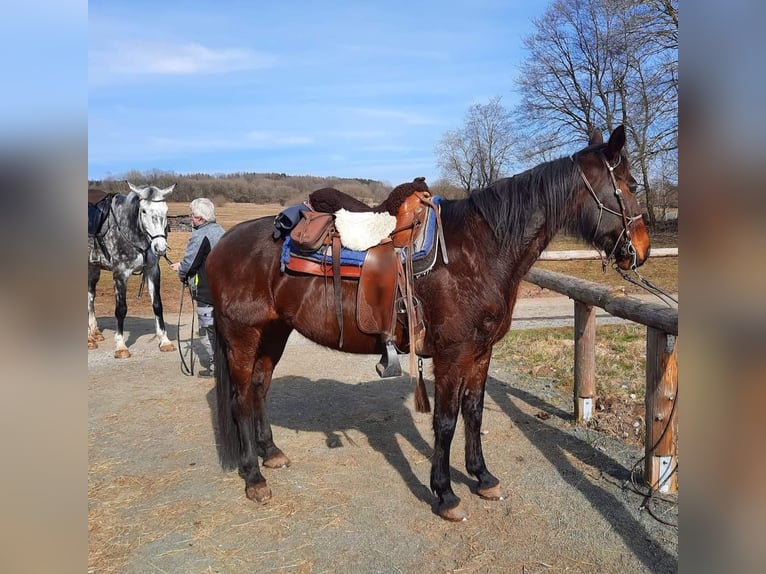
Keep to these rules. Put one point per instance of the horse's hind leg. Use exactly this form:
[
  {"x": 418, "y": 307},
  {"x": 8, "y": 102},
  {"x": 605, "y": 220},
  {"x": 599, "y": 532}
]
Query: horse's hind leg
[{"x": 94, "y": 334}]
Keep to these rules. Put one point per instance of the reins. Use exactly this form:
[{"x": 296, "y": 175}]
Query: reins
[{"x": 647, "y": 285}]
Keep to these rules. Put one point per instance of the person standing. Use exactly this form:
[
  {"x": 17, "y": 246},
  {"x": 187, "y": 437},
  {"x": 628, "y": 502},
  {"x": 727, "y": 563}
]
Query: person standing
[{"x": 191, "y": 269}]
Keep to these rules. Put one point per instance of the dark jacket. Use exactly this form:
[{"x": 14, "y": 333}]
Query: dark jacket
[{"x": 192, "y": 267}]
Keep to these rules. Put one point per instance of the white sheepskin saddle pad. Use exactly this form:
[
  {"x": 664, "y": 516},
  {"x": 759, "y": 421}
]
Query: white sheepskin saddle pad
[{"x": 360, "y": 231}]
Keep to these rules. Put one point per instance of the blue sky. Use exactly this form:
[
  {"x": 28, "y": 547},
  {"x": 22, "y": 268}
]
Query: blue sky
[{"x": 334, "y": 88}]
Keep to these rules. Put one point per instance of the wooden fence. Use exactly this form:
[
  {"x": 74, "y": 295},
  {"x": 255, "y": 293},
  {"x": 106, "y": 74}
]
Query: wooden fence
[{"x": 661, "y": 441}]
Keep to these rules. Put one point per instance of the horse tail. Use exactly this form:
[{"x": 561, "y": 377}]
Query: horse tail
[{"x": 228, "y": 432}]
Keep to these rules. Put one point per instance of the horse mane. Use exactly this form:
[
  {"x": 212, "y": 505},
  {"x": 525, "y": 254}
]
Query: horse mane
[{"x": 542, "y": 191}]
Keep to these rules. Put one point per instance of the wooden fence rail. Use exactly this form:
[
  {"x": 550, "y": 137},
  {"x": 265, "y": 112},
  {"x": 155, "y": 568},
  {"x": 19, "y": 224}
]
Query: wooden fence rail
[
  {"x": 661, "y": 442},
  {"x": 572, "y": 254}
]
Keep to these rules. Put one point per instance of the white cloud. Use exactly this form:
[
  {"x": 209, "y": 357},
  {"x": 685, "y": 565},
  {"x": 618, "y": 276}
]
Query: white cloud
[{"x": 125, "y": 61}]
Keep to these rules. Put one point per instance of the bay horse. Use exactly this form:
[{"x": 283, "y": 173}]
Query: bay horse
[
  {"x": 492, "y": 239},
  {"x": 131, "y": 240}
]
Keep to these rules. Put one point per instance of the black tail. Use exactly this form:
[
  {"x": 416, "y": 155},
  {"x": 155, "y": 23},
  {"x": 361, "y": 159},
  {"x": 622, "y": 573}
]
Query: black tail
[{"x": 228, "y": 432}]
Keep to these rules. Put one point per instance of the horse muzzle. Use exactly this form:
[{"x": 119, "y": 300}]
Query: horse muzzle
[
  {"x": 633, "y": 253},
  {"x": 159, "y": 246}
]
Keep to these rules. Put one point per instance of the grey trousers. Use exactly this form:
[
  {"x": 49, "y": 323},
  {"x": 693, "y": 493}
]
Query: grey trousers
[{"x": 205, "y": 316}]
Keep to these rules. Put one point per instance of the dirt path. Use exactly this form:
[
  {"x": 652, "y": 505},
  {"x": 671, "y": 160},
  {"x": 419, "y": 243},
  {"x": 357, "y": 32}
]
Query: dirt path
[{"x": 356, "y": 497}]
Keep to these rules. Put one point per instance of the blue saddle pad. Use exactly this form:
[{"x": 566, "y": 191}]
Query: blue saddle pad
[{"x": 424, "y": 248}]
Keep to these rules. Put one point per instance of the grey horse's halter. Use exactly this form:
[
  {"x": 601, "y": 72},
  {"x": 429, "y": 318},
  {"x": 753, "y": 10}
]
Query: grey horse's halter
[
  {"x": 151, "y": 237},
  {"x": 627, "y": 220}
]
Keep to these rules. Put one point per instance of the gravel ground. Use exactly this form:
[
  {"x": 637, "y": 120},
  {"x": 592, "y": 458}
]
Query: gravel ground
[{"x": 356, "y": 498}]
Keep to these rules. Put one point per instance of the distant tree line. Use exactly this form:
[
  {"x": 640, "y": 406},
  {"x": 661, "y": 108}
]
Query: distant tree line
[{"x": 247, "y": 187}]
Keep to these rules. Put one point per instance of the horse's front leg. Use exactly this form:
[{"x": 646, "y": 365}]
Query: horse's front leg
[
  {"x": 120, "y": 311},
  {"x": 248, "y": 411},
  {"x": 153, "y": 284},
  {"x": 472, "y": 408},
  {"x": 447, "y": 390},
  {"x": 272, "y": 345}
]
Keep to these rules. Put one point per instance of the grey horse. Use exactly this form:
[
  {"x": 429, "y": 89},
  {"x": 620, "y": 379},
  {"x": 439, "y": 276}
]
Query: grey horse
[{"x": 131, "y": 240}]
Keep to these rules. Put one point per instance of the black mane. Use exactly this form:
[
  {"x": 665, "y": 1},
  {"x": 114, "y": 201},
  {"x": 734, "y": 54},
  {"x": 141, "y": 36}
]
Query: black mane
[{"x": 543, "y": 191}]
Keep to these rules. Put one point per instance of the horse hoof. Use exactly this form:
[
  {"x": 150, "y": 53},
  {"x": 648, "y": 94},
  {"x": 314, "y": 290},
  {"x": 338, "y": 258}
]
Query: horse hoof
[
  {"x": 122, "y": 354},
  {"x": 258, "y": 492},
  {"x": 491, "y": 493},
  {"x": 92, "y": 344},
  {"x": 277, "y": 461},
  {"x": 165, "y": 347},
  {"x": 98, "y": 336},
  {"x": 456, "y": 514}
]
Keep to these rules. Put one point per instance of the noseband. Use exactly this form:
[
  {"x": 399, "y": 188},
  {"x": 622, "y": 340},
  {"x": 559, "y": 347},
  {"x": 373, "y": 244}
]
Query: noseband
[{"x": 627, "y": 220}]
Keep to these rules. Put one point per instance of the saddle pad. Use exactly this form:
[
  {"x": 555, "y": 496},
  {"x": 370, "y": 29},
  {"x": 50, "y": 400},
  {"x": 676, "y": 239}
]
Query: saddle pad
[
  {"x": 423, "y": 257},
  {"x": 322, "y": 256},
  {"x": 303, "y": 264}
]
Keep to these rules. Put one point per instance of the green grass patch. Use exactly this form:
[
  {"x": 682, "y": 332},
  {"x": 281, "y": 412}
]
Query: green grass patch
[{"x": 549, "y": 353}]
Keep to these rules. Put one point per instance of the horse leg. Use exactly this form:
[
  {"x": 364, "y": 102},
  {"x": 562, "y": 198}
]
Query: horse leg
[
  {"x": 153, "y": 285},
  {"x": 448, "y": 387},
  {"x": 472, "y": 408},
  {"x": 272, "y": 346},
  {"x": 94, "y": 334},
  {"x": 249, "y": 373},
  {"x": 120, "y": 311}
]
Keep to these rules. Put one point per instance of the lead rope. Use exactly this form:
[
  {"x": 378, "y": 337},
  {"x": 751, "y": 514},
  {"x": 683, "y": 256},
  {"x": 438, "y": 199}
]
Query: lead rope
[{"x": 187, "y": 370}]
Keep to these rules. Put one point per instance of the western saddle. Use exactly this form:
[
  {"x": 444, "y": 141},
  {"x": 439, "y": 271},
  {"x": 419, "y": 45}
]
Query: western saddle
[{"x": 385, "y": 288}]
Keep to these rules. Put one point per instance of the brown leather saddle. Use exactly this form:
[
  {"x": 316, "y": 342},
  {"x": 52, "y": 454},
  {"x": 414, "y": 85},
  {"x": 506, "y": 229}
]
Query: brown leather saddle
[{"x": 386, "y": 302}]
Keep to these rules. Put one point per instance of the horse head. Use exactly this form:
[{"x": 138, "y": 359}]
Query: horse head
[
  {"x": 153, "y": 215},
  {"x": 609, "y": 187}
]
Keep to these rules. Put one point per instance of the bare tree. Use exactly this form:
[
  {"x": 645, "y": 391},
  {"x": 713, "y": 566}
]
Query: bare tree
[
  {"x": 479, "y": 152},
  {"x": 594, "y": 64}
]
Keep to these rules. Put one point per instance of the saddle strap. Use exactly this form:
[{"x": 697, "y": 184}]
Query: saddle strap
[
  {"x": 439, "y": 230},
  {"x": 336, "y": 283},
  {"x": 415, "y": 333}
]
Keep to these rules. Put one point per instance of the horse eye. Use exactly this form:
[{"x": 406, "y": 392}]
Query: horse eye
[{"x": 633, "y": 186}]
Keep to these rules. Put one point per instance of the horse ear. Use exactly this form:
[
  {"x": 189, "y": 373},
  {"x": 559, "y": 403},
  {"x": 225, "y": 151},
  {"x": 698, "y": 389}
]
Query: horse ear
[
  {"x": 167, "y": 190},
  {"x": 134, "y": 188},
  {"x": 595, "y": 137},
  {"x": 616, "y": 141}
]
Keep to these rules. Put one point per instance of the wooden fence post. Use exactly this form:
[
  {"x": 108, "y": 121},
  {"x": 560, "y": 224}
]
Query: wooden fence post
[
  {"x": 584, "y": 361},
  {"x": 661, "y": 446}
]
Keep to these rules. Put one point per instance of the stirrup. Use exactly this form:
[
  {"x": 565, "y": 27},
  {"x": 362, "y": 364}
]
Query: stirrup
[{"x": 389, "y": 362}]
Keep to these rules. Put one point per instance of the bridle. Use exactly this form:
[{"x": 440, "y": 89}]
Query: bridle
[
  {"x": 627, "y": 220},
  {"x": 151, "y": 237}
]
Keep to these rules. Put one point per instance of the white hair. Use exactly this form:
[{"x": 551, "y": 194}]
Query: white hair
[{"x": 204, "y": 208}]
